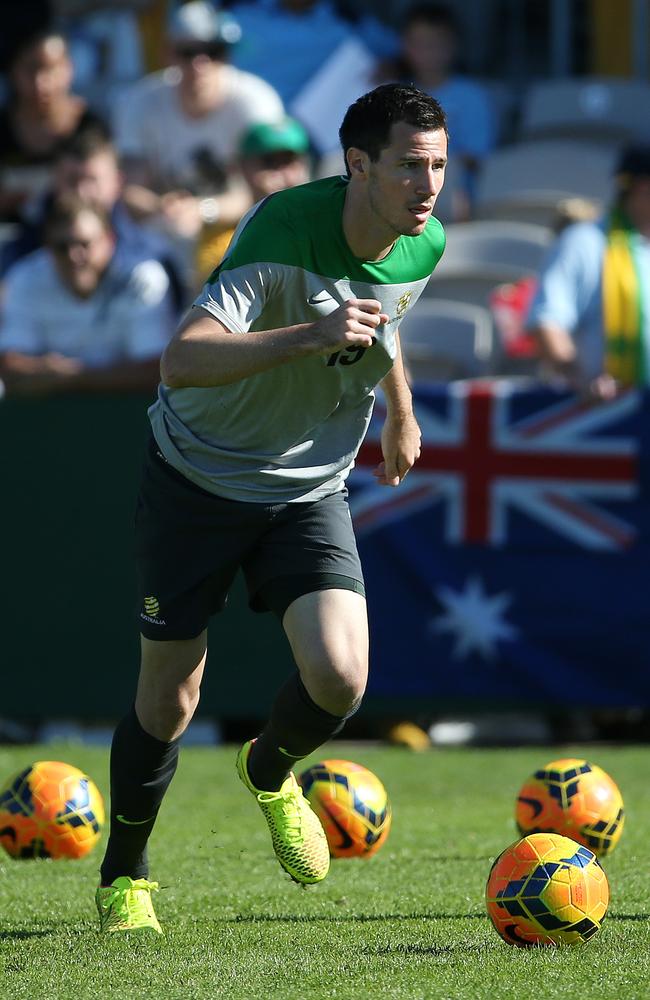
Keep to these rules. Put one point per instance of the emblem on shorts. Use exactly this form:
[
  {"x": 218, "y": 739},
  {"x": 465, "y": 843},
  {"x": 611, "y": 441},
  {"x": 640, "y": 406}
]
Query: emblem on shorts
[
  {"x": 151, "y": 606},
  {"x": 403, "y": 304}
]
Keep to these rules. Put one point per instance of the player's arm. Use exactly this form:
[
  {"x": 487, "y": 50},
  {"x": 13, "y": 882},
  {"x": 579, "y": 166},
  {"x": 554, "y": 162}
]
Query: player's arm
[
  {"x": 400, "y": 436},
  {"x": 205, "y": 353}
]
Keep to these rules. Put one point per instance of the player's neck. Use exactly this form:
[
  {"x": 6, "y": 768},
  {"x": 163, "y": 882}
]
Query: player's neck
[{"x": 368, "y": 237}]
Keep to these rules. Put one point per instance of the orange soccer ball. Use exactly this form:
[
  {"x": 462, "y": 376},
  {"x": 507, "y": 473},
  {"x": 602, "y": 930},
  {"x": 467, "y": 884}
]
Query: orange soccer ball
[
  {"x": 352, "y": 805},
  {"x": 546, "y": 890},
  {"x": 50, "y": 810},
  {"x": 574, "y": 798}
]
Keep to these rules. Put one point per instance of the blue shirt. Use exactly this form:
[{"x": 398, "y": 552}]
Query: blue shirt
[
  {"x": 569, "y": 295},
  {"x": 287, "y": 49},
  {"x": 470, "y": 116}
]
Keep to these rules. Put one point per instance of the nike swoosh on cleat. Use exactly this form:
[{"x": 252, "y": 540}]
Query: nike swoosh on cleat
[
  {"x": 134, "y": 822},
  {"x": 318, "y": 297}
]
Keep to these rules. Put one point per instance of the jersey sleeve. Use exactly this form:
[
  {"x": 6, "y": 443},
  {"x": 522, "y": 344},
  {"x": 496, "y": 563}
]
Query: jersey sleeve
[
  {"x": 237, "y": 296},
  {"x": 237, "y": 292},
  {"x": 19, "y": 329}
]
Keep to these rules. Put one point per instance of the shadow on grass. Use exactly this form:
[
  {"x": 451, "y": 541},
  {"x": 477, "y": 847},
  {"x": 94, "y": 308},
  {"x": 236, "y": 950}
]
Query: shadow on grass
[
  {"x": 343, "y": 918},
  {"x": 432, "y": 950},
  {"x": 628, "y": 916},
  {"x": 23, "y": 935}
]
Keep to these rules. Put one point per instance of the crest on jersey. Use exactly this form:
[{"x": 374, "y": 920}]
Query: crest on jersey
[{"x": 403, "y": 304}]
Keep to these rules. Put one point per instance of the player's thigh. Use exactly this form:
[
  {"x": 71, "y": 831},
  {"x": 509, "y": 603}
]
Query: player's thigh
[
  {"x": 328, "y": 634},
  {"x": 169, "y": 683},
  {"x": 308, "y": 547},
  {"x": 188, "y": 546}
]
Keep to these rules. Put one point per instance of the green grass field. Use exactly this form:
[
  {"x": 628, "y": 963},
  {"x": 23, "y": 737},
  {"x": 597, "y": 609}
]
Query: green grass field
[{"x": 408, "y": 923}]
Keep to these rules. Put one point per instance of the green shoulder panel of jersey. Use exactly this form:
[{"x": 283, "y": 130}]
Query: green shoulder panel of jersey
[{"x": 302, "y": 227}]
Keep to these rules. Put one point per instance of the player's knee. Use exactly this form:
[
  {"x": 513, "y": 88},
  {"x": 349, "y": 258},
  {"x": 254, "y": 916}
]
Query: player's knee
[
  {"x": 167, "y": 717},
  {"x": 339, "y": 686}
]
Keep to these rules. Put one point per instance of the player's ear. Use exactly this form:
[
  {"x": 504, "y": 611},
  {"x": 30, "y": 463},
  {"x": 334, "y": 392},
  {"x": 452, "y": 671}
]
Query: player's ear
[{"x": 357, "y": 162}]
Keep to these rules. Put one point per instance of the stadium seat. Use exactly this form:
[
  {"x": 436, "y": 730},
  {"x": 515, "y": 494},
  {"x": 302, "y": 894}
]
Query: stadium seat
[
  {"x": 443, "y": 339},
  {"x": 527, "y": 181},
  {"x": 602, "y": 109},
  {"x": 503, "y": 250}
]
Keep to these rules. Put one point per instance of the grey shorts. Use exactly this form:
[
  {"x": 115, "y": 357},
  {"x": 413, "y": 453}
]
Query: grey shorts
[{"x": 190, "y": 544}]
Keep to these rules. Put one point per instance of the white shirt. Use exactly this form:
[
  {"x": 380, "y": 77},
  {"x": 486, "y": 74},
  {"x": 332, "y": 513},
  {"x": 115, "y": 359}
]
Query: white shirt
[
  {"x": 128, "y": 317},
  {"x": 179, "y": 150}
]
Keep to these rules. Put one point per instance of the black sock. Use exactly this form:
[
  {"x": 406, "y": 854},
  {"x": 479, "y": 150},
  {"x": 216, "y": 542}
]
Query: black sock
[
  {"x": 141, "y": 769},
  {"x": 296, "y": 728}
]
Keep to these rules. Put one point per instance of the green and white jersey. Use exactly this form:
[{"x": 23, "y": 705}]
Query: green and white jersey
[{"x": 291, "y": 433}]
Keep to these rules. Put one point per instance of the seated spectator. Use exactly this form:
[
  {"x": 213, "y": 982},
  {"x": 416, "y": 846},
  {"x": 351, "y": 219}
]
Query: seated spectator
[
  {"x": 79, "y": 316},
  {"x": 272, "y": 157},
  {"x": 588, "y": 313},
  {"x": 308, "y": 31},
  {"x": 180, "y": 131},
  {"x": 40, "y": 113},
  {"x": 86, "y": 165},
  {"x": 430, "y": 45}
]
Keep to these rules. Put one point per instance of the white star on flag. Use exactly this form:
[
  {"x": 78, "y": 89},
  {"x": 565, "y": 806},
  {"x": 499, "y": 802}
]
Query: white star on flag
[{"x": 475, "y": 619}]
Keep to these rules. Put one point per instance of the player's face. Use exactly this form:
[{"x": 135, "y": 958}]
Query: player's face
[
  {"x": 405, "y": 181},
  {"x": 82, "y": 251}
]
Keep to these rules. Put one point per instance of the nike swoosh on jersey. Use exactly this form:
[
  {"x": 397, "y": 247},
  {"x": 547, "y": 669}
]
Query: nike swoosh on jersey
[{"x": 134, "y": 822}]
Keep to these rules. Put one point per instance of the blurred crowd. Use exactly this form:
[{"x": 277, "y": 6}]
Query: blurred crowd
[{"x": 135, "y": 134}]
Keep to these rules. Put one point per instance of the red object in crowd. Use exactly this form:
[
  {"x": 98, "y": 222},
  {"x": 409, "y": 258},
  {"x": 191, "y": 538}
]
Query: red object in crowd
[{"x": 509, "y": 304}]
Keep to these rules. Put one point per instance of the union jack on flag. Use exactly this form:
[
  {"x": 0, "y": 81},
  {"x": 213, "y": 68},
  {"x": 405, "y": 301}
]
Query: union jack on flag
[{"x": 496, "y": 457}]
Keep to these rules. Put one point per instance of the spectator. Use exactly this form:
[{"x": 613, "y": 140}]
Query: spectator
[
  {"x": 86, "y": 165},
  {"x": 272, "y": 157},
  {"x": 78, "y": 316},
  {"x": 180, "y": 131},
  {"x": 40, "y": 113},
  {"x": 588, "y": 313},
  {"x": 307, "y": 30},
  {"x": 430, "y": 45}
]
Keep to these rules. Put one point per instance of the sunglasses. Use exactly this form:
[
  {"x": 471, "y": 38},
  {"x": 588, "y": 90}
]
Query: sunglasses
[
  {"x": 185, "y": 53},
  {"x": 64, "y": 245}
]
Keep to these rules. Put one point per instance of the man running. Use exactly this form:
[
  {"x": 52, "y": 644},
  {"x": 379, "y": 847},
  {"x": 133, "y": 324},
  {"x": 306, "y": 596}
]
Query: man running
[{"x": 266, "y": 394}]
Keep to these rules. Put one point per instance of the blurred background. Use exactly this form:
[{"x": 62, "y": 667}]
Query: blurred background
[{"x": 507, "y": 578}]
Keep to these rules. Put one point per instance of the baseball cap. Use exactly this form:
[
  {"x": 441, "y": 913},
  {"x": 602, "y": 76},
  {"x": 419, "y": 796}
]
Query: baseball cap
[
  {"x": 634, "y": 162},
  {"x": 275, "y": 137},
  {"x": 200, "y": 21}
]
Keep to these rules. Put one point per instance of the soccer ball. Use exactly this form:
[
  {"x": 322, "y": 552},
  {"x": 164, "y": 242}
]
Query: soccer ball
[
  {"x": 574, "y": 798},
  {"x": 50, "y": 810},
  {"x": 546, "y": 890},
  {"x": 352, "y": 805}
]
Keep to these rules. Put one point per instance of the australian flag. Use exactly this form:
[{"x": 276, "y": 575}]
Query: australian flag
[{"x": 511, "y": 566}]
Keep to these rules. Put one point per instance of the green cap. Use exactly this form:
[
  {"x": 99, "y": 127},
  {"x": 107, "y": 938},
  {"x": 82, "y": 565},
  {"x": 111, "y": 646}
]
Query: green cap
[{"x": 276, "y": 137}]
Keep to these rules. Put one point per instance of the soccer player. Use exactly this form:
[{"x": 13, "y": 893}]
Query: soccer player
[{"x": 266, "y": 394}]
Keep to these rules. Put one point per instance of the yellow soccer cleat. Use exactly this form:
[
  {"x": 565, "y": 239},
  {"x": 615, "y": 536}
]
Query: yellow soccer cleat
[
  {"x": 126, "y": 906},
  {"x": 298, "y": 838}
]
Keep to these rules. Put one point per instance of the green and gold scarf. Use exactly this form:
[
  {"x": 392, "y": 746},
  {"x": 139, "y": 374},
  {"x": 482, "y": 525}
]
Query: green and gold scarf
[{"x": 623, "y": 305}]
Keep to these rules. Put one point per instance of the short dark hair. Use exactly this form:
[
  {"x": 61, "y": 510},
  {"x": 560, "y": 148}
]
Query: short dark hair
[
  {"x": 66, "y": 208},
  {"x": 367, "y": 122},
  {"x": 437, "y": 15},
  {"x": 85, "y": 143}
]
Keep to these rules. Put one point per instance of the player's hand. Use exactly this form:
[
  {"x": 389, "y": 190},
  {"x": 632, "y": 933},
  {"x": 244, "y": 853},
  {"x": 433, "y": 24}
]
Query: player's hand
[
  {"x": 353, "y": 324},
  {"x": 401, "y": 442}
]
